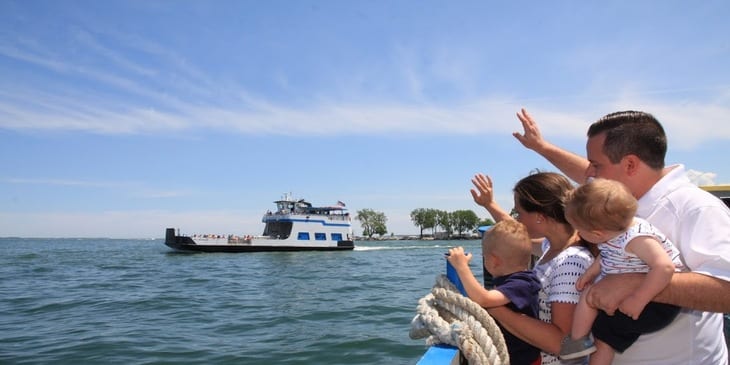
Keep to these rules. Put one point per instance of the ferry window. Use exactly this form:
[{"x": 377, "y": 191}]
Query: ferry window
[
  {"x": 303, "y": 236},
  {"x": 337, "y": 236},
  {"x": 320, "y": 236}
]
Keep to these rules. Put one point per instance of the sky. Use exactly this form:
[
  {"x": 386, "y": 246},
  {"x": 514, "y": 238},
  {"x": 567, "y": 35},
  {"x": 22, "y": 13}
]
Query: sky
[{"x": 122, "y": 118}]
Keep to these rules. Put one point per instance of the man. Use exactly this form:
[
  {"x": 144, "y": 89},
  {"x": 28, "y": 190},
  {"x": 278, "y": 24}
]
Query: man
[{"x": 630, "y": 147}]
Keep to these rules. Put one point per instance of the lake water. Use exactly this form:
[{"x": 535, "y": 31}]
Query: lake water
[{"x": 104, "y": 301}]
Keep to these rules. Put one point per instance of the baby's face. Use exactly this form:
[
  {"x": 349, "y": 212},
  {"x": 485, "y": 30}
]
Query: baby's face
[{"x": 590, "y": 235}]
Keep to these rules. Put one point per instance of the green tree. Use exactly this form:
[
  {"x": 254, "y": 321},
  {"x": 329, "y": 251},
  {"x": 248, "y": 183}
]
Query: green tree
[
  {"x": 424, "y": 218},
  {"x": 372, "y": 222},
  {"x": 464, "y": 220},
  {"x": 445, "y": 220}
]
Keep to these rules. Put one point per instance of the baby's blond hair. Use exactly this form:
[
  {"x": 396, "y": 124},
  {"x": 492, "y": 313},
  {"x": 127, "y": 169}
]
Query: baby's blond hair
[{"x": 601, "y": 205}]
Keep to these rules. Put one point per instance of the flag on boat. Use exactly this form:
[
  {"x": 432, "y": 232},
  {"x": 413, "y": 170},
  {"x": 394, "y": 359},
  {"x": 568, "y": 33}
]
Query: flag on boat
[{"x": 340, "y": 204}]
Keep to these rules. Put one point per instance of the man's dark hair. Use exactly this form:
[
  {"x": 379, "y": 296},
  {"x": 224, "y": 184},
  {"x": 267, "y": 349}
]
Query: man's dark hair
[{"x": 632, "y": 133}]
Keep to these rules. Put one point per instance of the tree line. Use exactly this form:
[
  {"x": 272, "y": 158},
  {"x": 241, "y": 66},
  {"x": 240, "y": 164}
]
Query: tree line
[{"x": 456, "y": 222}]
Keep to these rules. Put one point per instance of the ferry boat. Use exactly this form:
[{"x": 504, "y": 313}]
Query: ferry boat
[{"x": 296, "y": 225}]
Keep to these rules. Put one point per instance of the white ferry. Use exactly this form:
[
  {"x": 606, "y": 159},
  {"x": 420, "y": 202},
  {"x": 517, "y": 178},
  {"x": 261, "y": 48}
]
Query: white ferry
[{"x": 295, "y": 226}]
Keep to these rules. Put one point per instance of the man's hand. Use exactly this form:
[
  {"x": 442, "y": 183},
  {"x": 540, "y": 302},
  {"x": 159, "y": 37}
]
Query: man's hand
[
  {"x": 531, "y": 138},
  {"x": 632, "y": 306},
  {"x": 610, "y": 291}
]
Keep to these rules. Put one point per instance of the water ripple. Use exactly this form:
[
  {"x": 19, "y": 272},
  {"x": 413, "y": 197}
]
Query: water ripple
[{"x": 136, "y": 302}]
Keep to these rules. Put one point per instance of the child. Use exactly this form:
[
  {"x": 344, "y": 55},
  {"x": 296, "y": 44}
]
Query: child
[
  {"x": 602, "y": 211},
  {"x": 507, "y": 250}
]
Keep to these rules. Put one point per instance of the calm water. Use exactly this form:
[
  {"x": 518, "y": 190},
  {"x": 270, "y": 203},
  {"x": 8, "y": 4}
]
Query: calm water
[{"x": 71, "y": 301}]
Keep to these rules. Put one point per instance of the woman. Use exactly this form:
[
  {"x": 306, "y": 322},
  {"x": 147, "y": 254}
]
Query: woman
[{"x": 538, "y": 200}]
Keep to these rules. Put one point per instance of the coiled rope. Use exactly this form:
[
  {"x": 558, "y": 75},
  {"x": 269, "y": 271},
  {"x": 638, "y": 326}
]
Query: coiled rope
[{"x": 444, "y": 316}]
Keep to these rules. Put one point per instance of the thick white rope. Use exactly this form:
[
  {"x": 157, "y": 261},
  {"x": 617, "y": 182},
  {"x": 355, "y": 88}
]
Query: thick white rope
[{"x": 447, "y": 317}]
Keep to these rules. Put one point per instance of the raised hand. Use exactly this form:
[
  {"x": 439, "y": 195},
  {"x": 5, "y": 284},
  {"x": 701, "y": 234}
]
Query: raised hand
[
  {"x": 483, "y": 192},
  {"x": 531, "y": 138}
]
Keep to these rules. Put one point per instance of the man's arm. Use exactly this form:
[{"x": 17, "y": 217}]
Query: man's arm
[
  {"x": 569, "y": 163},
  {"x": 697, "y": 291},
  {"x": 687, "y": 290}
]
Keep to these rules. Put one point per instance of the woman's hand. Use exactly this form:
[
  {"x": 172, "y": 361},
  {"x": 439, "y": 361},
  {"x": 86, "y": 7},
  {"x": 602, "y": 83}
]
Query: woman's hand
[{"x": 483, "y": 193}]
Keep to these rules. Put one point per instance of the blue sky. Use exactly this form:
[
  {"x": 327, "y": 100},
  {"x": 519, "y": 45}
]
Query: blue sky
[{"x": 122, "y": 118}]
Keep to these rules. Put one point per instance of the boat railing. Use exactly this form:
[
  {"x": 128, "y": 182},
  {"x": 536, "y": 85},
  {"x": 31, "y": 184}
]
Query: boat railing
[
  {"x": 248, "y": 239},
  {"x": 223, "y": 239},
  {"x": 331, "y": 217}
]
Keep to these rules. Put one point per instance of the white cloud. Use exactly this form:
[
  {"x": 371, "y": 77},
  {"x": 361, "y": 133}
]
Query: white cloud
[
  {"x": 64, "y": 182},
  {"x": 127, "y": 224},
  {"x": 128, "y": 188},
  {"x": 701, "y": 178},
  {"x": 90, "y": 42},
  {"x": 687, "y": 123}
]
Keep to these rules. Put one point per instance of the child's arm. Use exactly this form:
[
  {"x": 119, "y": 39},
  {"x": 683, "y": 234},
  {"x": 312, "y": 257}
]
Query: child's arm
[
  {"x": 474, "y": 290},
  {"x": 589, "y": 275},
  {"x": 661, "y": 269}
]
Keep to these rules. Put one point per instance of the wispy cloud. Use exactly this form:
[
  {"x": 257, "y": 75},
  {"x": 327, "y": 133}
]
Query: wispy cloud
[
  {"x": 109, "y": 72},
  {"x": 64, "y": 182},
  {"x": 129, "y": 188},
  {"x": 117, "y": 224},
  {"x": 90, "y": 42},
  {"x": 163, "y": 91},
  {"x": 688, "y": 123}
]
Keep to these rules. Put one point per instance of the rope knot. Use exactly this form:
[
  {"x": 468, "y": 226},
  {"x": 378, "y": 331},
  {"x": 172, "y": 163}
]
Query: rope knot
[{"x": 445, "y": 316}]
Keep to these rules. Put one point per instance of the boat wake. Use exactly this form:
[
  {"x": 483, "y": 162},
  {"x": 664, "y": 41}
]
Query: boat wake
[{"x": 384, "y": 248}]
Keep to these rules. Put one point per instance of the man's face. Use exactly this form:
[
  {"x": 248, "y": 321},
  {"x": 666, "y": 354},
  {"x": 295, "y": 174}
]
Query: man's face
[{"x": 600, "y": 165}]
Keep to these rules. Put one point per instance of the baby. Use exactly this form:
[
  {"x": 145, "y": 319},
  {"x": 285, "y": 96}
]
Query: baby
[{"x": 602, "y": 211}]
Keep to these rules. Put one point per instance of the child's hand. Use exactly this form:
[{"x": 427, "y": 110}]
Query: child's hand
[
  {"x": 584, "y": 281},
  {"x": 632, "y": 306},
  {"x": 457, "y": 257}
]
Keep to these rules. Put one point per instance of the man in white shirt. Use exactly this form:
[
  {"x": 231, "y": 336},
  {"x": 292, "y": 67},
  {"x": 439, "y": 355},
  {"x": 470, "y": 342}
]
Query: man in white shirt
[{"x": 630, "y": 147}]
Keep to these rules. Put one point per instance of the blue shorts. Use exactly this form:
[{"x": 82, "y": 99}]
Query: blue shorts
[{"x": 621, "y": 331}]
